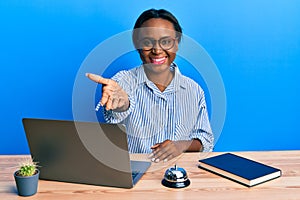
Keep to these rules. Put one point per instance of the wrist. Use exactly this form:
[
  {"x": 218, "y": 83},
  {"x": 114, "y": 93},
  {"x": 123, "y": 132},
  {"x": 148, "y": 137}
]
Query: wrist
[
  {"x": 183, "y": 145},
  {"x": 194, "y": 145},
  {"x": 124, "y": 107}
]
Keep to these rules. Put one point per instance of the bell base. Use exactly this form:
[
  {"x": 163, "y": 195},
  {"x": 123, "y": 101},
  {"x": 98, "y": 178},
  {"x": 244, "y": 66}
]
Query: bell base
[{"x": 166, "y": 183}]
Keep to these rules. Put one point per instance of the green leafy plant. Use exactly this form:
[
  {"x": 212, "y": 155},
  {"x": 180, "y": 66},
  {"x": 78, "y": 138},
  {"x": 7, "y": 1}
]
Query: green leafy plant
[{"x": 27, "y": 168}]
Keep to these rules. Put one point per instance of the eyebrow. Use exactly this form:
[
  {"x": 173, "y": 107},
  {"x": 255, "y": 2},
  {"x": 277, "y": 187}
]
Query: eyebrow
[{"x": 155, "y": 39}]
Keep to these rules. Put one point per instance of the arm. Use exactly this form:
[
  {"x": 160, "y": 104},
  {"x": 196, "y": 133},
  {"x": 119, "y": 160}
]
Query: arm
[{"x": 201, "y": 137}]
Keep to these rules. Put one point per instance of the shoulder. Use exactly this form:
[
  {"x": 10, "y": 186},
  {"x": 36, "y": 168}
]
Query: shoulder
[
  {"x": 190, "y": 84},
  {"x": 193, "y": 90},
  {"x": 186, "y": 82}
]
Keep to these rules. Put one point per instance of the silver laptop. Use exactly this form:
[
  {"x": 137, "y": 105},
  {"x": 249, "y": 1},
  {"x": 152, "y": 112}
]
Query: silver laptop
[{"x": 82, "y": 152}]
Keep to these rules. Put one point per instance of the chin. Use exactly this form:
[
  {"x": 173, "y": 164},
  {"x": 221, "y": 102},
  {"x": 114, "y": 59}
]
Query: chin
[
  {"x": 150, "y": 64},
  {"x": 155, "y": 68}
]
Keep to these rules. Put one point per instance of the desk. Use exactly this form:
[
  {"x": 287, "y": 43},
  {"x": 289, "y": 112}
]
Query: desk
[{"x": 204, "y": 185}]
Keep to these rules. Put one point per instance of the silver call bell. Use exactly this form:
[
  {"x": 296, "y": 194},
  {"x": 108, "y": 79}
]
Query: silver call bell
[{"x": 176, "y": 177}]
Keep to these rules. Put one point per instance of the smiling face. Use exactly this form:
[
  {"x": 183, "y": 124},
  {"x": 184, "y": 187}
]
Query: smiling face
[{"x": 157, "y": 44}]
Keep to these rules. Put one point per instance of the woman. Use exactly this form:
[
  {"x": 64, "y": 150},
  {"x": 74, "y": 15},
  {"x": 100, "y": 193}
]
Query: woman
[{"x": 164, "y": 112}]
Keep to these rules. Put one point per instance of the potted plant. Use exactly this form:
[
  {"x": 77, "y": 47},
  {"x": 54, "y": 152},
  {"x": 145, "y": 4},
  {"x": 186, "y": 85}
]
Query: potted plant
[{"x": 27, "y": 177}]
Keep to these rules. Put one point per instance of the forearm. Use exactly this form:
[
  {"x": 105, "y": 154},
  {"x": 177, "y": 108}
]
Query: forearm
[{"x": 193, "y": 145}]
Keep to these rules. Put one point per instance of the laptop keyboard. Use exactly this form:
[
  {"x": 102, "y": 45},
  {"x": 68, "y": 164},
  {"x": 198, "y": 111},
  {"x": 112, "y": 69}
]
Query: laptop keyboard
[{"x": 134, "y": 174}]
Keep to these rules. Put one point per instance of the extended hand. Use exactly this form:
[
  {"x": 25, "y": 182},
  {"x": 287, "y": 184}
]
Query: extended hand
[{"x": 113, "y": 96}]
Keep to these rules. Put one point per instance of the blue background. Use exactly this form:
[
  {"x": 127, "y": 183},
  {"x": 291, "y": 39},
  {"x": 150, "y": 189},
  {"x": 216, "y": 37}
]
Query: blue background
[{"x": 255, "y": 45}]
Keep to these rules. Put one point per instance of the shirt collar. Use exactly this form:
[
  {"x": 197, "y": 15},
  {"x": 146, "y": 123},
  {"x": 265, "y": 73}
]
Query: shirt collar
[{"x": 177, "y": 82}]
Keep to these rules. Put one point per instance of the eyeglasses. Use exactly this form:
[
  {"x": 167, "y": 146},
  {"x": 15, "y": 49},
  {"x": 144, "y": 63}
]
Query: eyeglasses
[{"x": 165, "y": 43}]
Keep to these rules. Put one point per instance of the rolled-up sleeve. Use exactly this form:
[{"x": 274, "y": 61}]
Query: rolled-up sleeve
[{"x": 118, "y": 117}]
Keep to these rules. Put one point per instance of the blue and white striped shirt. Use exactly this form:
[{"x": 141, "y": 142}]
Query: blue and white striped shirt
[{"x": 177, "y": 113}]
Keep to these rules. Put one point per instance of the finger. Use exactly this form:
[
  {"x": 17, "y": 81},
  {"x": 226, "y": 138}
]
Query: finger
[
  {"x": 167, "y": 151},
  {"x": 110, "y": 87},
  {"x": 170, "y": 157},
  {"x": 162, "y": 144},
  {"x": 104, "y": 99},
  {"x": 98, "y": 79},
  {"x": 115, "y": 103},
  {"x": 109, "y": 103},
  {"x": 156, "y": 149},
  {"x": 121, "y": 103},
  {"x": 162, "y": 154},
  {"x": 155, "y": 146}
]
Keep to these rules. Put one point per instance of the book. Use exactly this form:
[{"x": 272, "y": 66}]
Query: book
[{"x": 239, "y": 169}]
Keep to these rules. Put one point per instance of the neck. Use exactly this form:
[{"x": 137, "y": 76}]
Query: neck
[
  {"x": 160, "y": 87},
  {"x": 161, "y": 80}
]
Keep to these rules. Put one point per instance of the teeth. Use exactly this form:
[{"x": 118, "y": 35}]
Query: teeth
[{"x": 158, "y": 59}]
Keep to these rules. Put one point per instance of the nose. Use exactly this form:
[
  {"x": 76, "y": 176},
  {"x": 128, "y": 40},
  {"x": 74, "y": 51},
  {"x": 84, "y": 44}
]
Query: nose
[{"x": 156, "y": 48}]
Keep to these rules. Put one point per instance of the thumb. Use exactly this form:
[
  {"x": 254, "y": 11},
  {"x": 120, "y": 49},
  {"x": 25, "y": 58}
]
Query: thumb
[{"x": 155, "y": 146}]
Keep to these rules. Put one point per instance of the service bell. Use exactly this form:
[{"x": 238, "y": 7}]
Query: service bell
[{"x": 176, "y": 177}]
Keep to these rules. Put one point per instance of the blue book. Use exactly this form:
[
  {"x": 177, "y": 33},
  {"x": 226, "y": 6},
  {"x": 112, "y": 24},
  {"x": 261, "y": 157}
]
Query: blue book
[{"x": 240, "y": 169}]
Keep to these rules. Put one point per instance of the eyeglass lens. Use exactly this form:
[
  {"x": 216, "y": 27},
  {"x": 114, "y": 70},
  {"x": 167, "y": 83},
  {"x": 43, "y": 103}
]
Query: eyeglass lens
[{"x": 165, "y": 43}]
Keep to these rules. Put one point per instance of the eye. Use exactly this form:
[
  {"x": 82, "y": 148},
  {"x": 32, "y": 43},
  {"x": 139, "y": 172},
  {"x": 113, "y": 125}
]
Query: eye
[
  {"x": 146, "y": 43},
  {"x": 166, "y": 42}
]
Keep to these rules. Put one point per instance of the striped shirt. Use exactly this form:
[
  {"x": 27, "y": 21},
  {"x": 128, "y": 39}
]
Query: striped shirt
[{"x": 177, "y": 113}]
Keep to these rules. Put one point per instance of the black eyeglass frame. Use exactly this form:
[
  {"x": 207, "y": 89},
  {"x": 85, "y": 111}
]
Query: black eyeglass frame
[{"x": 154, "y": 42}]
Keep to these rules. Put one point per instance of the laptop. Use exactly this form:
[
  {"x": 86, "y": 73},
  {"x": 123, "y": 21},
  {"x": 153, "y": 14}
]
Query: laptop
[{"x": 83, "y": 152}]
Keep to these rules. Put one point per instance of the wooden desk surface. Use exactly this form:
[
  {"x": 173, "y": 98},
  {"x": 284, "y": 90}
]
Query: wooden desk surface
[{"x": 204, "y": 185}]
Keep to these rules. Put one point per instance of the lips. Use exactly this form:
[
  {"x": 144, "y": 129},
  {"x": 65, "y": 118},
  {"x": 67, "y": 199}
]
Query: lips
[{"x": 158, "y": 61}]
